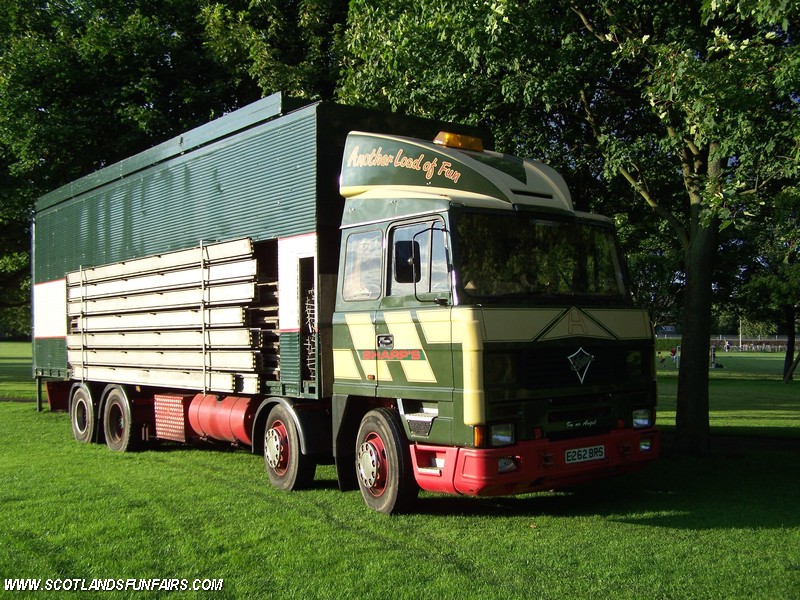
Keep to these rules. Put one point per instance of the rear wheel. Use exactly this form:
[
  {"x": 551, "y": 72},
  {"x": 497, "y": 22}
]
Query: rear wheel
[
  {"x": 383, "y": 463},
  {"x": 117, "y": 422},
  {"x": 82, "y": 415},
  {"x": 287, "y": 467}
]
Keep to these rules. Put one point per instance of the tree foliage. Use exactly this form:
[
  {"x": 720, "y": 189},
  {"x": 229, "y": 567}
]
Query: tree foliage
[
  {"x": 770, "y": 288},
  {"x": 283, "y": 45},
  {"x": 84, "y": 83}
]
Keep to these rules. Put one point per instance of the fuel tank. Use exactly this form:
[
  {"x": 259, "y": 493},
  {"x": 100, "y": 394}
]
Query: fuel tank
[{"x": 224, "y": 418}]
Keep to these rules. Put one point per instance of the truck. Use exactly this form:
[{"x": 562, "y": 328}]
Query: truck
[{"x": 330, "y": 285}]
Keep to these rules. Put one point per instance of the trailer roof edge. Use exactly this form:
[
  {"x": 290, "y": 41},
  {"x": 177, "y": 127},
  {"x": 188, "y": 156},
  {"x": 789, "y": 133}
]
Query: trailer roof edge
[{"x": 246, "y": 117}]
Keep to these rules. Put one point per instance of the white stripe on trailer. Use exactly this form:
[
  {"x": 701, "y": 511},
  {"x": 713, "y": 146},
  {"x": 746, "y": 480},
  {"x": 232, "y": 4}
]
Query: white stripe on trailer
[
  {"x": 290, "y": 251},
  {"x": 176, "y": 319},
  {"x": 168, "y": 359},
  {"x": 175, "y": 379},
  {"x": 49, "y": 309}
]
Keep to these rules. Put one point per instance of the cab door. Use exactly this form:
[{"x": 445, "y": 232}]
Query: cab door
[
  {"x": 355, "y": 365},
  {"x": 412, "y": 323}
]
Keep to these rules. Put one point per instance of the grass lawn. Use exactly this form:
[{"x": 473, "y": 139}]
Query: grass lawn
[
  {"x": 727, "y": 526},
  {"x": 723, "y": 527}
]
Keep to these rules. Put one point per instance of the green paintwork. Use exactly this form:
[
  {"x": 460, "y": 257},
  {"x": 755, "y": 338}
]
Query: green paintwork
[
  {"x": 359, "y": 210},
  {"x": 50, "y": 357},
  {"x": 260, "y": 111}
]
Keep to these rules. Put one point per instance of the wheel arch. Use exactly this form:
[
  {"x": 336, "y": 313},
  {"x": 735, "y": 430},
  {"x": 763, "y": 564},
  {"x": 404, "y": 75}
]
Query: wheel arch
[
  {"x": 347, "y": 414},
  {"x": 312, "y": 422}
]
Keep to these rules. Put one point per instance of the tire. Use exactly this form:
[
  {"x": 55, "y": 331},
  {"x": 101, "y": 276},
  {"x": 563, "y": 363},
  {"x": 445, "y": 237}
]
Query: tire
[
  {"x": 383, "y": 463},
  {"x": 82, "y": 415},
  {"x": 118, "y": 421},
  {"x": 287, "y": 467}
]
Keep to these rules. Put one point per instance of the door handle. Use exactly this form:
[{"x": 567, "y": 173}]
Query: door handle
[{"x": 385, "y": 342}]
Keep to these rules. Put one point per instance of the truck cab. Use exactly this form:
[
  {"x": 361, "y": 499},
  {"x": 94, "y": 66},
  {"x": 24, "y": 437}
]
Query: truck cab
[{"x": 484, "y": 323}]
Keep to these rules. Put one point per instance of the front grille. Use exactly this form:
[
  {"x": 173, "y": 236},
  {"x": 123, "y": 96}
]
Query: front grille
[{"x": 551, "y": 368}]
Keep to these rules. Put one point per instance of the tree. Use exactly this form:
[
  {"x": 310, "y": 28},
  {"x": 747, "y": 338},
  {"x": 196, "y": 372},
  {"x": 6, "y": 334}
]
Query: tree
[
  {"x": 283, "y": 45},
  {"x": 84, "y": 83},
  {"x": 14, "y": 263},
  {"x": 771, "y": 289},
  {"x": 653, "y": 89},
  {"x": 723, "y": 138}
]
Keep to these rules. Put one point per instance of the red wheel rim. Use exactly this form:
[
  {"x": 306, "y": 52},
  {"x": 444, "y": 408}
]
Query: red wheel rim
[
  {"x": 278, "y": 448},
  {"x": 372, "y": 468}
]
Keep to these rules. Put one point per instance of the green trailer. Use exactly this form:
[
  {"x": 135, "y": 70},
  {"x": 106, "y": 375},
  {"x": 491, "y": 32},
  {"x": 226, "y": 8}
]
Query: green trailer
[{"x": 325, "y": 284}]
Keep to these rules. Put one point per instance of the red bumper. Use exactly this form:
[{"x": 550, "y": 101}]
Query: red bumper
[{"x": 532, "y": 465}]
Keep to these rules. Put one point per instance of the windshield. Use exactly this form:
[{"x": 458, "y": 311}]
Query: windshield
[{"x": 517, "y": 254}]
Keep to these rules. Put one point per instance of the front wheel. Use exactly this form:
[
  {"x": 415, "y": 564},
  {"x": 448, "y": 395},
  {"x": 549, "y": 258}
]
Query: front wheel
[
  {"x": 383, "y": 463},
  {"x": 287, "y": 467}
]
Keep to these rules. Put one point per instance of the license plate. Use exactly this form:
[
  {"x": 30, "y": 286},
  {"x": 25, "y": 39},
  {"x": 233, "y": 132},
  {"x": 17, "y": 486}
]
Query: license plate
[{"x": 578, "y": 455}]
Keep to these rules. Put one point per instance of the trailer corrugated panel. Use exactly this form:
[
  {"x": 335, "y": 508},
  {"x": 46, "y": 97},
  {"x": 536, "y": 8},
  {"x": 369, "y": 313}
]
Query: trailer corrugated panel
[
  {"x": 260, "y": 183},
  {"x": 290, "y": 364}
]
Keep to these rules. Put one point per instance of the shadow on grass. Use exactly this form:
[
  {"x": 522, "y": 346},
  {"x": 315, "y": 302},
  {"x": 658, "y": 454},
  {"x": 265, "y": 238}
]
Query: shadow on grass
[{"x": 758, "y": 490}]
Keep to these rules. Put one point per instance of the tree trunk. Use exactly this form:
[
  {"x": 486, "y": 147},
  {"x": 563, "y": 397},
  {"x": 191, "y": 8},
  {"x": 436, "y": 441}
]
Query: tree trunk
[
  {"x": 788, "y": 376},
  {"x": 691, "y": 419},
  {"x": 789, "y": 320}
]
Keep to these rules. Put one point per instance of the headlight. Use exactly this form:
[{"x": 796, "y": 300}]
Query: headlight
[
  {"x": 502, "y": 435},
  {"x": 642, "y": 417}
]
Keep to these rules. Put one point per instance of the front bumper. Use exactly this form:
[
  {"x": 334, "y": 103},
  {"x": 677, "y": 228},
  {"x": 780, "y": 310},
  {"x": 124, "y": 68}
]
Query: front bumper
[{"x": 530, "y": 466}]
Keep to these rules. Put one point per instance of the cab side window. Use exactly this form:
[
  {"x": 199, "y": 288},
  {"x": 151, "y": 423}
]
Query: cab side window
[
  {"x": 362, "y": 266},
  {"x": 419, "y": 259}
]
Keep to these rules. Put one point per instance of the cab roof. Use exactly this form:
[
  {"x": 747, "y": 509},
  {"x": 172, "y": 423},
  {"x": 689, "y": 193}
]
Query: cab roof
[{"x": 377, "y": 169}]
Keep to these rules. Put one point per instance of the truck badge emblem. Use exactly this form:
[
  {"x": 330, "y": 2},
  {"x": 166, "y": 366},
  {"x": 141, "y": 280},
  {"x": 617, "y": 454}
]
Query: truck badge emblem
[{"x": 580, "y": 362}]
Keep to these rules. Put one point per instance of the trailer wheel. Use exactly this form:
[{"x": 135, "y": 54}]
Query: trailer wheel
[
  {"x": 383, "y": 463},
  {"x": 287, "y": 467},
  {"x": 81, "y": 414},
  {"x": 117, "y": 421}
]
